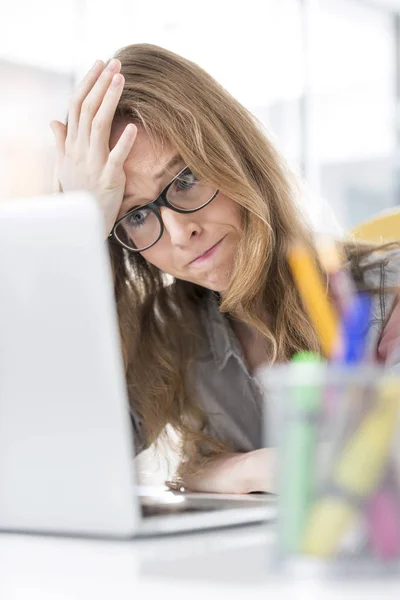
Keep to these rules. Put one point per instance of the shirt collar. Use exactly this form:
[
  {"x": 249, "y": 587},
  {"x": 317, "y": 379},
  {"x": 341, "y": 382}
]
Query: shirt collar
[{"x": 222, "y": 340}]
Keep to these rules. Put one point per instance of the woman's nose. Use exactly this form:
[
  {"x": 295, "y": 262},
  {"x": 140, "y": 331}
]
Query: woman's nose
[{"x": 180, "y": 227}]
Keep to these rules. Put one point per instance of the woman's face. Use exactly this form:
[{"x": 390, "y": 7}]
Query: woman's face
[{"x": 215, "y": 229}]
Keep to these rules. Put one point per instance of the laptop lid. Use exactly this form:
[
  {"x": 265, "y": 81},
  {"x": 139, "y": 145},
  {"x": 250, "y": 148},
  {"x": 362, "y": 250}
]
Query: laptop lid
[{"x": 61, "y": 378}]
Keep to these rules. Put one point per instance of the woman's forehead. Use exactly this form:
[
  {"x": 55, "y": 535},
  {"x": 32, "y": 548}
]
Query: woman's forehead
[
  {"x": 148, "y": 170},
  {"x": 148, "y": 157}
]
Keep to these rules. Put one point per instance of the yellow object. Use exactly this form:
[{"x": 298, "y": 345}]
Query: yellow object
[
  {"x": 360, "y": 466},
  {"x": 315, "y": 298},
  {"x": 329, "y": 519},
  {"x": 385, "y": 227},
  {"x": 357, "y": 472}
]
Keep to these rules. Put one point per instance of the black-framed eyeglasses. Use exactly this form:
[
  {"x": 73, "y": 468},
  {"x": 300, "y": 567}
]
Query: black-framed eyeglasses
[{"x": 143, "y": 227}]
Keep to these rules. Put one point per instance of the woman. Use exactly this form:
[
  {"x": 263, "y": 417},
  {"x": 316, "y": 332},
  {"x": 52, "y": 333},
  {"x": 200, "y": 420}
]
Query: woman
[{"x": 199, "y": 208}]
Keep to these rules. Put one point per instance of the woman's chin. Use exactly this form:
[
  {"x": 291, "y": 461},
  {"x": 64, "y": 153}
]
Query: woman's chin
[{"x": 216, "y": 282}]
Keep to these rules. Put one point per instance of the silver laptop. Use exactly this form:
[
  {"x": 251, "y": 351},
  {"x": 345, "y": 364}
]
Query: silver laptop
[{"x": 66, "y": 446}]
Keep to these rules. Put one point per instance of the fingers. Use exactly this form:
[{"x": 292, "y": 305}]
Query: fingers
[
  {"x": 93, "y": 100},
  {"x": 102, "y": 122},
  {"x": 79, "y": 96},
  {"x": 60, "y": 133},
  {"x": 120, "y": 152}
]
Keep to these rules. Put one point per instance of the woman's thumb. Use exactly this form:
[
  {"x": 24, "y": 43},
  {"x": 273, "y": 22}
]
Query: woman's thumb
[{"x": 60, "y": 133}]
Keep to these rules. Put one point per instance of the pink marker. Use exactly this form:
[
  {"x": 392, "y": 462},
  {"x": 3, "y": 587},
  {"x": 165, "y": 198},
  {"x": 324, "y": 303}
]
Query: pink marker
[{"x": 383, "y": 518}]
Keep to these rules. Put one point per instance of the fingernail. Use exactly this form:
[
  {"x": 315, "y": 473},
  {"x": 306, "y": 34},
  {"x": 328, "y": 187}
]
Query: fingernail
[
  {"x": 96, "y": 65},
  {"x": 116, "y": 80},
  {"x": 112, "y": 65},
  {"x": 129, "y": 129}
]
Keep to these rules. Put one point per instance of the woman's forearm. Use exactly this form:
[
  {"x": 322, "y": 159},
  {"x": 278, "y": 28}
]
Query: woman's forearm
[{"x": 236, "y": 473}]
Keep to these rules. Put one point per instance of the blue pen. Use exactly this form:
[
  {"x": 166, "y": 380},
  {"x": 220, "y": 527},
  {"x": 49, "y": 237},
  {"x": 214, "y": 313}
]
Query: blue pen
[{"x": 355, "y": 328}]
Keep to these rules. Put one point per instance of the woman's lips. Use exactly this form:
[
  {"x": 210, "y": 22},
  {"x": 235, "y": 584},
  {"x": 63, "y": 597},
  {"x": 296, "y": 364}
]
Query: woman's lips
[{"x": 207, "y": 254}]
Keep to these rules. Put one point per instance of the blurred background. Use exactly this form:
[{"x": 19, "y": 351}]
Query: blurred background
[{"x": 322, "y": 75}]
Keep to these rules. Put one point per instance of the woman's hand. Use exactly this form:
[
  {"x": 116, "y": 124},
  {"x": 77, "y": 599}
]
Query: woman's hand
[
  {"x": 84, "y": 159},
  {"x": 236, "y": 473}
]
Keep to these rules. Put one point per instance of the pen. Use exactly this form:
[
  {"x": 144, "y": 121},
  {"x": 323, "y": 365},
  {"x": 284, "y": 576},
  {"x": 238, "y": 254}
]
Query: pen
[
  {"x": 299, "y": 452},
  {"x": 314, "y": 296},
  {"x": 355, "y": 327},
  {"x": 383, "y": 521}
]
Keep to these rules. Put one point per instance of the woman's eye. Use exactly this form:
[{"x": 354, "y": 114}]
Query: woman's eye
[
  {"x": 137, "y": 218},
  {"x": 185, "y": 182}
]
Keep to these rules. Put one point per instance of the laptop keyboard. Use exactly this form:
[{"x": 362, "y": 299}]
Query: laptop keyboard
[
  {"x": 152, "y": 507},
  {"x": 157, "y": 510}
]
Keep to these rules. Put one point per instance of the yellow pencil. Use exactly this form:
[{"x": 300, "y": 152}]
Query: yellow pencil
[{"x": 314, "y": 296}]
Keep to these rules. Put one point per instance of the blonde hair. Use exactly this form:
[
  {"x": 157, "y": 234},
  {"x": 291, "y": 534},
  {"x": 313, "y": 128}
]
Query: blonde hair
[{"x": 176, "y": 101}]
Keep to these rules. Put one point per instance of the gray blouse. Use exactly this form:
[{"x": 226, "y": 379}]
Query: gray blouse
[{"x": 230, "y": 396}]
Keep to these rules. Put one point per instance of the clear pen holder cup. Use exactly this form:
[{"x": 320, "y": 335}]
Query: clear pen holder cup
[{"x": 338, "y": 467}]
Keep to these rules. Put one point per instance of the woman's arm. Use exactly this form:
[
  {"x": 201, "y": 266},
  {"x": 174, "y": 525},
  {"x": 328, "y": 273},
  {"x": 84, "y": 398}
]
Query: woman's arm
[{"x": 235, "y": 473}]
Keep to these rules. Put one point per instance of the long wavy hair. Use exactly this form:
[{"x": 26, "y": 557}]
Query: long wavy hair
[{"x": 177, "y": 102}]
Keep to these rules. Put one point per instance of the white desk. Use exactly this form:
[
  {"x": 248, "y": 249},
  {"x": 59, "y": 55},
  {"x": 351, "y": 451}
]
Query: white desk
[{"x": 228, "y": 564}]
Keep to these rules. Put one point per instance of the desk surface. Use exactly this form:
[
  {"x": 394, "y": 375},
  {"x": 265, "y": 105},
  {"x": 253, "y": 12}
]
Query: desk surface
[{"x": 225, "y": 564}]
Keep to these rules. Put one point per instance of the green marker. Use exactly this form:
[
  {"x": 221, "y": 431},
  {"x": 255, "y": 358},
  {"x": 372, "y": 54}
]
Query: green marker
[{"x": 299, "y": 448}]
